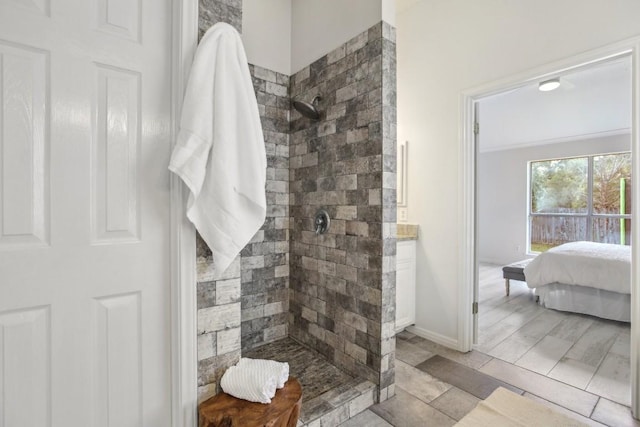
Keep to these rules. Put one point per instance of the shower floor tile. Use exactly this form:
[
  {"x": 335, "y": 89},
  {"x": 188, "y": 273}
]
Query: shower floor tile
[{"x": 316, "y": 375}]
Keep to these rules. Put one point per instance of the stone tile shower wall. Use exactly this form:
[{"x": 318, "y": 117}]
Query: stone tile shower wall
[
  {"x": 265, "y": 261},
  {"x": 342, "y": 284},
  {"x": 212, "y": 11},
  {"x": 248, "y": 305},
  {"x": 343, "y": 280},
  {"x": 219, "y": 298}
]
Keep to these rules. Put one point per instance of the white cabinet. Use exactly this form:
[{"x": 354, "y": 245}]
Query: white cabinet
[{"x": 405, "y": 284}]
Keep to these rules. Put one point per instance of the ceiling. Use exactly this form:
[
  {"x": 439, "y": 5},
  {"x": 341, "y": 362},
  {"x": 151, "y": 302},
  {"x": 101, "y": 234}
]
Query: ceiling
[{"x": 590, "y": 102}]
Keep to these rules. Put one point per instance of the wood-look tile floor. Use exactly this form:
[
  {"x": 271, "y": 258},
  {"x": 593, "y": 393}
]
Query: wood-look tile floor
[{"x": 576, "y": 364}]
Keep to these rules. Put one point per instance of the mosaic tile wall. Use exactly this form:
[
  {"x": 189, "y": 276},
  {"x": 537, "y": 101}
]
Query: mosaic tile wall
[{"x": 342, "y": 283}]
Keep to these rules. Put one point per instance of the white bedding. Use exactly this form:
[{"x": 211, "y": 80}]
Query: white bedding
[
  {"x": 581, "y": 299},
  {"x": 596, "y": 265}
]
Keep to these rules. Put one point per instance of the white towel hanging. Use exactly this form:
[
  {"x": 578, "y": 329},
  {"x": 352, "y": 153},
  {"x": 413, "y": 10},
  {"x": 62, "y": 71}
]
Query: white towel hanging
[{"x": 220, "y": 151}]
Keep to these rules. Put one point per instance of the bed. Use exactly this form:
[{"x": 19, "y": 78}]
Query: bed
[{"x": 584, "y": 277}]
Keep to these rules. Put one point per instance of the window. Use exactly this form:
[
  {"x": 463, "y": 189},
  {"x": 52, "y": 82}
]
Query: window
[{"x": 580, "y": 198}]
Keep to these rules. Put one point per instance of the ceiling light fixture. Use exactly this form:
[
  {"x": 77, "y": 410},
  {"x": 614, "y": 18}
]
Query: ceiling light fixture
[{"x": 549, "y": 85}]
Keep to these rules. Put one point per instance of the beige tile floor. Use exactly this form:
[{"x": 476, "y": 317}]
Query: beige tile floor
[{"x": 579, "y": 365}]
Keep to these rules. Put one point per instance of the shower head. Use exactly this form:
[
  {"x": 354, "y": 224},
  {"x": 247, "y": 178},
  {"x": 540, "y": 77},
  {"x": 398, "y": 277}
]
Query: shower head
[{"x": 307, "y": 109}]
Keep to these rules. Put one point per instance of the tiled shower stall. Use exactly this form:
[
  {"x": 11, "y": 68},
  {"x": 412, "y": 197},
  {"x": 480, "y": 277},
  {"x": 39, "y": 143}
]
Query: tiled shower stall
[{"x": 333, "y": 293}]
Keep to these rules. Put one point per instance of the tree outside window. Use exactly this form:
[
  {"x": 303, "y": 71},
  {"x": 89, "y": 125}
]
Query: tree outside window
[{"x": 580, "y": 198}]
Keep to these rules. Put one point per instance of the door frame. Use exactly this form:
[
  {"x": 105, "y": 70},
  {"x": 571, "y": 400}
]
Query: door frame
[
  {"x": 467, "y": 174},
  {"x": 184, "y": 355}
]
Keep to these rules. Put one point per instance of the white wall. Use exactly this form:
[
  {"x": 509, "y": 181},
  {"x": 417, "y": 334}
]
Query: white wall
[
  {"x": 266, "y": 33},
  {"x": 502, "y": 193},
  {"x": 287, "y": 35},
  {"x": 448, "y": 46},
  {"x": 320, "y": 26},
  {"x": 389, "y": 11}
]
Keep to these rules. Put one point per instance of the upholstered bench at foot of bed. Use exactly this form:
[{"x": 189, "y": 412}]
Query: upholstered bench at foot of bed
[{"x": 514, "y": 271}]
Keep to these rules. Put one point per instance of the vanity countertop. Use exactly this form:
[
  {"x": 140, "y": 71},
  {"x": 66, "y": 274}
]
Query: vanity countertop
[{"x": 407, "y": 231}]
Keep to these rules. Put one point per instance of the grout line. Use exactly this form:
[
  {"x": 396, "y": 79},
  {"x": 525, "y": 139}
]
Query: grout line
[
  {"x": 594, "y": 407},
  {"x": 512, "y": 333}
]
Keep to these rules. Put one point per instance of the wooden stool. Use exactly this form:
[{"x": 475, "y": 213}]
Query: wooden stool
[{"x": 223, "y": 410}]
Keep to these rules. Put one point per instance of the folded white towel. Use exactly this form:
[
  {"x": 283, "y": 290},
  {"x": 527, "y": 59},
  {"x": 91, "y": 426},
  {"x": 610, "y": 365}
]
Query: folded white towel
[
  {"x": 220, "y": 152},
  {"x": 247, "y": 384},
  {"x": 280, "y": 370}
]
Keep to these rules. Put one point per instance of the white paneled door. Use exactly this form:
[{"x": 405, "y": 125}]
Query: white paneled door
[{"x": 84, "y": 213}]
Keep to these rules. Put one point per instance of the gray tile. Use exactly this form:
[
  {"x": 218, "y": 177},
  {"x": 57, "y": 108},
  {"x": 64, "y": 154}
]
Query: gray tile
[
  {"x": 463, "y": 377},
  {"x": 622, "y": 345},
  {"x": 473, "y": 359},
  {"x": 543, "y": 356},
  {"x": 492, "y": 336},
  {"x": 572, "y": 328},
  {"x": 614, "y": 414},
  {"x": 314, "y": 409},
  {"x": 612, "y": 379},
  {"x": 343, "y": 393},
  {"x": 335, "y": 417},
  {"x": 407, "y": 411},
  {"x": 573, "y": 372},
  {"x": 594, "y": 344},
  {"x": 522, "y": 340},
  {"x": 419, "y": 383},
  {"x": 455, "y": 403},
  {"x": 366, "y": 418},
  {"x": 361, "y": 403},
  {"x": 411, "y": 354}
]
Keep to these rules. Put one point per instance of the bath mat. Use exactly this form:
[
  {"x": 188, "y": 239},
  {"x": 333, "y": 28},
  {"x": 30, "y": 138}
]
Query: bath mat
[{"x": 504, "y": 408}]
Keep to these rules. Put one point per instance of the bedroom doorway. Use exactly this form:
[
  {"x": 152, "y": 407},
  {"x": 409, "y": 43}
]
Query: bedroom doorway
[{"x": 515, "y": 329}]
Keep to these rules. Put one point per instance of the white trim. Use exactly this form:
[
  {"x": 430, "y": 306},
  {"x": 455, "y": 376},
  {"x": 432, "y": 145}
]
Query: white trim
[
  {"x": 518, "y": 145},
  {"x": 184, "y": 375},
  {"x": 468, "y": 181},
  {"x": 433, "y": 336},
  {"x": 467, "y": 219},
  {"x": 635, "y": 233},
  {"x": 403, "y": 148}
]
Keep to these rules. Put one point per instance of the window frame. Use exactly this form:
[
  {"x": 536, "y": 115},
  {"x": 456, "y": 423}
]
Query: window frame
[{"x": 589, "y": 214}]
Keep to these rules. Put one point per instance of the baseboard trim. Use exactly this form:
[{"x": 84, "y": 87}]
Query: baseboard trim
[{"x": 433, "y": 336}]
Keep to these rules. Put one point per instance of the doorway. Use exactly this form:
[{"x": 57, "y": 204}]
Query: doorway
[{"x": 470, "y": 260}]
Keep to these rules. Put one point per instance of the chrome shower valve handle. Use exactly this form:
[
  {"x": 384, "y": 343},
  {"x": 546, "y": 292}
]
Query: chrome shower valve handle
[{"x": 322, "y": 221}]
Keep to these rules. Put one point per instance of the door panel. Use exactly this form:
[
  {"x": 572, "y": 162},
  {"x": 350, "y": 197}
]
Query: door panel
[
  {"x": 114, "y": 172},
  {"x": 25, "y": 357},
  {"x": 118, "y": 391},
  {"x": 120, "y": 18},
  {"x": 24, "y": 199},
  {"x": 84, "y": 213}
]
